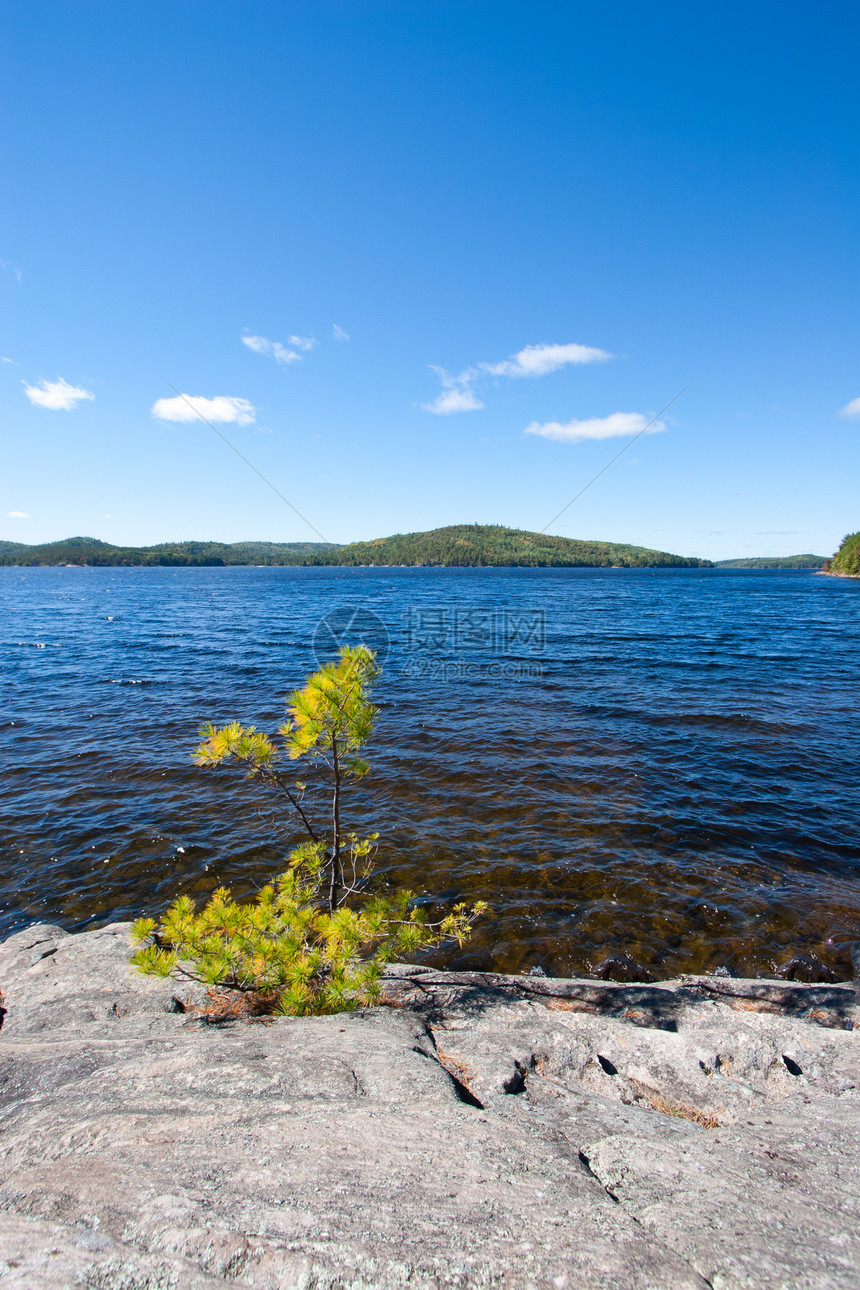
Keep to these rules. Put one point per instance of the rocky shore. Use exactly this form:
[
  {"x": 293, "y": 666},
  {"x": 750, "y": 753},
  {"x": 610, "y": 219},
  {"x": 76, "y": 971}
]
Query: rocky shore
[{"x": 477, "y": 1131}]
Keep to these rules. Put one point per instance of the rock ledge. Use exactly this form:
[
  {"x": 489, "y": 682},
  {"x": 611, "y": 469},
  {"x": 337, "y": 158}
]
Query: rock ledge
[{"x": 478, "y": 1131}]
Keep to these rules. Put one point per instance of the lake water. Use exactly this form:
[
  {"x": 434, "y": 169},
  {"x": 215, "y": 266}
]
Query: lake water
[{"x": 656, "y": 763}]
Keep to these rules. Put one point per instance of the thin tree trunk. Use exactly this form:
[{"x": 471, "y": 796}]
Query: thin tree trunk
[{"x": 336, "y": 878}]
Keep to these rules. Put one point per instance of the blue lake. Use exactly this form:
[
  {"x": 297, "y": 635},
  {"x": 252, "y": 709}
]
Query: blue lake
[{"x": 655, "y": 763}]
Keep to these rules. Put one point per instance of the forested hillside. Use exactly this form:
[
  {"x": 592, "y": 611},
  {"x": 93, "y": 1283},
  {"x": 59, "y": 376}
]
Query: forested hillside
[
  {"x": 491, "y": 544},
  {"x": 775, "y": 562},
  {"x": 90, "y": 551},
  {"x": 458, "y": 545},
  {"x": 846, "y": 561}
]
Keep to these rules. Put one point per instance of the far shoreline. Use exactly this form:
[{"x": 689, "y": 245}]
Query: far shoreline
[{"x": 461, "y": 568}]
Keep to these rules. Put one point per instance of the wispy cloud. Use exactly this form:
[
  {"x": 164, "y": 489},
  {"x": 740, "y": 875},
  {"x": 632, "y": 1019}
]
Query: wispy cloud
[
  {"x": 616, "y": 425},
  {"x": 540, "y": 360},
  {"x": 280, "y": 353},
  {"x": 458, "y": 394},
  {"x": 851, "y": 409},
  {"x": 19, "y": 515},
  {"x": 222, "y": 408},
  {"x": 4, "y": 359},
  {"x": 272, "y": 349},
  {"x": 57, "y": 395},
  {"x": 338, "y": 333},
  {"x": 8, "y": 267}
]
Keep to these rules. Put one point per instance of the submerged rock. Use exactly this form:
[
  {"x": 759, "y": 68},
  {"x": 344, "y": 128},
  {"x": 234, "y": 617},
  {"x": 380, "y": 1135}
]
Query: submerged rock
[
  {"x": 480, "y": 1130},
  {"x": 806, "y": 967}
]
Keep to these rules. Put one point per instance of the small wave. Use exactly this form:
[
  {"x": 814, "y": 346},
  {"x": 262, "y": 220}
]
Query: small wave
[{"x": 727, "y": 721}]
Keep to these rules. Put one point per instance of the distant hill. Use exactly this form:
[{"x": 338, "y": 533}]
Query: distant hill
[
  {"x": 846, "y": 562},
  {"x": 461, "y": 545},
  {"x": 774, "y": 562},
  {"x": 471, "y": 545},
  {"x": 90, "y": 551}
]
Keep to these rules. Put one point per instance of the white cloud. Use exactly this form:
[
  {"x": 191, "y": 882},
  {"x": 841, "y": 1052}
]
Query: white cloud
[
  {"x": 274, "y": 349},
  {"x": 614, "y": 426},
  {"x": 222, "y": 407},
  {"x": 259, "y": 344},
  {"x": 539, "y": 360},
  {"x": 283, "y": 355},
  {"x": 533, "y": 361},
  {"x": 8, "y": 360},
  {"x": 462, "y": 400},
  {"x": 456, "y": 396},
  {"x": 19, "y": 515},
  {"x": 338, "y": 333},
  {"x": 57, "y": 395},
  {"x": 851, "y": 409}
]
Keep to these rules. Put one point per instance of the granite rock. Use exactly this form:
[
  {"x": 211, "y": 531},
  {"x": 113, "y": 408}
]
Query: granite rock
[{"x": 477, "y": 1131}]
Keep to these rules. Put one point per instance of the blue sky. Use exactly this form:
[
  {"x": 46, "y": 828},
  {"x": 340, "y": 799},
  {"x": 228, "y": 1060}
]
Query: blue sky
[{"x": 429, "y": 264}]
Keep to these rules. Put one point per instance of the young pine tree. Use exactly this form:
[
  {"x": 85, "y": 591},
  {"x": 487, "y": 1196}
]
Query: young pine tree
[{"x": 316, "y": 939}]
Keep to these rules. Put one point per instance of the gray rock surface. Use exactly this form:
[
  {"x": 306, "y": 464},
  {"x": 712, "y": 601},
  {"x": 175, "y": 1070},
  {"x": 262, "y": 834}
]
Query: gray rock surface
[{"x": 477, "y": 1131}]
